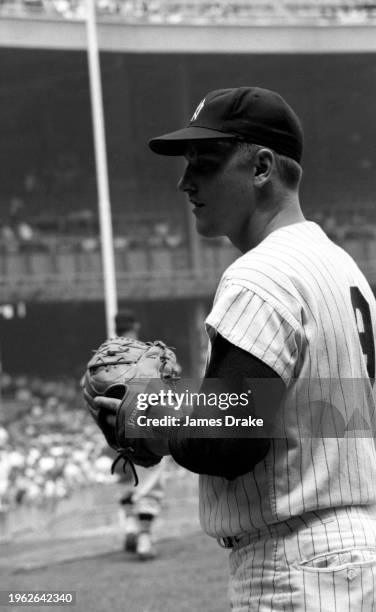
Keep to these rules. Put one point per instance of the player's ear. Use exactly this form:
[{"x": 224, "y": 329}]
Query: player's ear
[{"x": 263, "y": 166}]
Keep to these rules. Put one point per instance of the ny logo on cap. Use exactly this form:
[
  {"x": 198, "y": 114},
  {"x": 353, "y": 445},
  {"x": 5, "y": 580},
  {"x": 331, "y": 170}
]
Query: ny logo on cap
[{"x": 198, "y": 110}]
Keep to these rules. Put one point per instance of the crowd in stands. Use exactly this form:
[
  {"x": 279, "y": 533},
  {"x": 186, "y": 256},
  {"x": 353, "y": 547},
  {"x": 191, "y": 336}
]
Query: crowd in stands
[
  {"x": 205, "y": 11},
  {"x": 344, "y": 225},
  {"x": 49, "y": 445},
  {"x": 78, "y": 230}
]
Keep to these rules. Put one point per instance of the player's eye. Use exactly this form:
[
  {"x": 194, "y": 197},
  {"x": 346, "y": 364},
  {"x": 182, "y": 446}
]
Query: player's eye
[{"x": 205, "y": 166}]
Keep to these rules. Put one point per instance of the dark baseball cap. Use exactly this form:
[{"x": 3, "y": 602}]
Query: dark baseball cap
[{"x": 251, "y": 114}]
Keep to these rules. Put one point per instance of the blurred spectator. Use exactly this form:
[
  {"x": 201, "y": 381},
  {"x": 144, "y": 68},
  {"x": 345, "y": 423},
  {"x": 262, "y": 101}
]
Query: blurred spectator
[
  {"x": 16, "y": 211},
  {"x": 161, "y": 235},
  {"x": 30, "y": 182},
  {"x": 330, "y": 226},
  {"x": 121, "y": 243},
  {"x": 51, "y": 446},
  {"x": 4, "y": 466},
  {"x": 181, "y": 11},
  {"x": 89, "y": 244},
  {"x": 25, "y": 233},
  {"x": 8, "y": 239}
]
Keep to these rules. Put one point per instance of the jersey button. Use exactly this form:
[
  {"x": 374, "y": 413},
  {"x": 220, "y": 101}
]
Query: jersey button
[{"x": 351, "y": 574}]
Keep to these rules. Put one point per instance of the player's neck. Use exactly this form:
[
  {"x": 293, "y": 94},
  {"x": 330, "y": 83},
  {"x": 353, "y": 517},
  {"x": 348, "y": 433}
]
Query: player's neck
[{"x": 261, "y": 225}]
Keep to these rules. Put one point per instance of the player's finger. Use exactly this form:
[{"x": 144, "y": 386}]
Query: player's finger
[
  {"x": 110, "y": 420},
  {"x": 109, "y": 403}
]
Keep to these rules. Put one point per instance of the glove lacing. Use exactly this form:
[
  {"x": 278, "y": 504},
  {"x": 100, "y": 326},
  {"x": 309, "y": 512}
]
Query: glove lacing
[{"x": 127, "y": 460}]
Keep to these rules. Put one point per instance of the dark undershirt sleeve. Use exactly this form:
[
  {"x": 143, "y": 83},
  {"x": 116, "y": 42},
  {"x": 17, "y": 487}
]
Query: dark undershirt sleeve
[{"x": 227, "y": 457}]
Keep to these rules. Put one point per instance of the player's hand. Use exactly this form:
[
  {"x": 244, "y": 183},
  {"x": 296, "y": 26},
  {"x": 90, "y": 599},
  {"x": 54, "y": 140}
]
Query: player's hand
[{"x": 109, "y": 405}]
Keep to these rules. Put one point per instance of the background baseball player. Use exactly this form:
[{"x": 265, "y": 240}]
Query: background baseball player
[
  {"x": 296, "y": 506},
  {"x": 140, "y": 506}
]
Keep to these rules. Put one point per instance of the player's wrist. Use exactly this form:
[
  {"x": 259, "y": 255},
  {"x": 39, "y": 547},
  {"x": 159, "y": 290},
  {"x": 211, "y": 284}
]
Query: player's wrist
[
  {"x": 157, "y": 422},
  {"x": 158, "y": 447},
  {"x": 162, "y": 423}
]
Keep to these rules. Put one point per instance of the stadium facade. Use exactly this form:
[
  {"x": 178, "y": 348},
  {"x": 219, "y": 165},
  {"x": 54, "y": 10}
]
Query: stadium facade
[{"x": 150, "y": 86}]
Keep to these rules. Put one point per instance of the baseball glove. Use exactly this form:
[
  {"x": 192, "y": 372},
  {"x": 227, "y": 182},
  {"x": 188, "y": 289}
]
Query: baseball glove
[{"x": 122, "y": 368}]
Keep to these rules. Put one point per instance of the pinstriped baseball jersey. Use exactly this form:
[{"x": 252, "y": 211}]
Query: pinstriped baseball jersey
[{"x": 299, "y": 303}]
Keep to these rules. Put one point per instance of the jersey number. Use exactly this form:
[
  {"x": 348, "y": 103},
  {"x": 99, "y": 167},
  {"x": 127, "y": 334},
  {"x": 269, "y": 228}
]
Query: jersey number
[{"x": 363, "y": 322}]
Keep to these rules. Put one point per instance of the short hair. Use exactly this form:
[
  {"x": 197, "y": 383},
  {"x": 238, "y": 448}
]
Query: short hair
[{"x": 289, "y": 171}]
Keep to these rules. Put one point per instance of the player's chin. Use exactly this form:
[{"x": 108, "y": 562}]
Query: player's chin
[{"x": 207, "y": 230}]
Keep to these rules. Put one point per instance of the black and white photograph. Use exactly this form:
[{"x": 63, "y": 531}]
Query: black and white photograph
[{"x": 187, "y": 305}]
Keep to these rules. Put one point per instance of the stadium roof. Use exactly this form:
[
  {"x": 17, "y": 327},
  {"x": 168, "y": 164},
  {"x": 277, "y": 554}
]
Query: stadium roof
[{"x": 46, "y": 33}]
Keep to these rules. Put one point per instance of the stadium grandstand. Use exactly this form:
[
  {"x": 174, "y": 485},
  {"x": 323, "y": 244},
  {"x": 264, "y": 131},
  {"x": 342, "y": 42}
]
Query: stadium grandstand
[
  {"x": 198, "y": 11},
  {"x": 49, "y": 240},
  {"x": 158, "y": 58}
]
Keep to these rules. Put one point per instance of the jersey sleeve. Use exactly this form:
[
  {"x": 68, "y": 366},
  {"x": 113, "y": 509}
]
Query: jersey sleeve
[{"x": 263, "y": 327}]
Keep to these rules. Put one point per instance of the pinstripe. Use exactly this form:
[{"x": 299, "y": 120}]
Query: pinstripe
[
  {"x": 248, "y": 579},
  {"x": 338, "y": 527},
  {"x": 260, "y": 504},
  {"x": 242, "y": 480},
  {"x": 275, "y": 572},
  {"x": 361, "y": 525},
  {"x": 254, "y": 276},
  {"x": 259, "y": 587},
  {"x": 262, "y": 574},
  {"x": 207, "y": 501},
  {"x": 230, "y": 497},
  {"x": 252, "y": 319},
  {"x": 272, "y": 459},
  {"x": 336, "y": 360},
  {"x": 334, "y": 593},
  {"x": 288, "y": 302},
  {"x": 319, "y": 592},
  {"x": 217, "y": 505},
  {"x": 239, "y": 528},
  {"x": 244, "y": 308},
  {"x": 319, "y": 270},
  {"x": 209, "y": 508},
  {"x": 322, "y": 301},
  {"x": 349, "y": 595},
  {"x": 268, "y": 297},
  {"x": 274, "y": 336},
  {"x": 304, "y": 583},
  {"x": 357, "y": 463},
  {"x": 280, "y": 352},
  {"x": 312, "y": 457},
  {"x": 346, "y": 345},
  {"x": 289, "y": 576},
  {"x": 300, "y": 457},
  {"x": 224, "y": 516},
  {"x": 256, "y": 338}
]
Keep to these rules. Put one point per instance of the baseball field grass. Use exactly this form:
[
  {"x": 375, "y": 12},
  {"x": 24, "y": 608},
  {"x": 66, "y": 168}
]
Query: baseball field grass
[{"x": 189, "y": 575}]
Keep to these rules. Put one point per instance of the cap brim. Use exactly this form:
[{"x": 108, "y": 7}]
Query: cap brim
[{"x": 175, "y": 143}]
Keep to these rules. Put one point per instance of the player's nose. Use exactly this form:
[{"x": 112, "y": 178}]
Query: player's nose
[{"x": 185, "y": 182}]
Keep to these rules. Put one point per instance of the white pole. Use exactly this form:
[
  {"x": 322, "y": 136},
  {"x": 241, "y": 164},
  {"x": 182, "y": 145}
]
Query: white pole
[{"x": 108, "y": 260}]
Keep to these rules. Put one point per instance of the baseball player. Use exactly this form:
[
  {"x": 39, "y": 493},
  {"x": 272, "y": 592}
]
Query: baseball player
[
  {"x": 141, "y": 506},
  {"x": 295, "y": 505}
]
